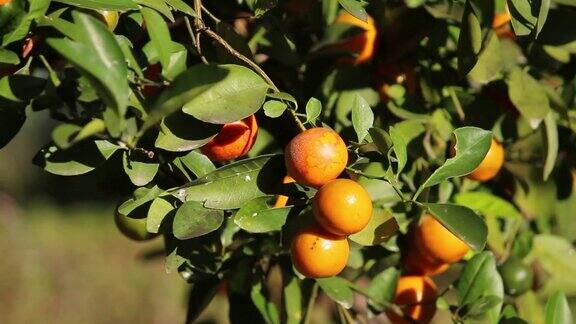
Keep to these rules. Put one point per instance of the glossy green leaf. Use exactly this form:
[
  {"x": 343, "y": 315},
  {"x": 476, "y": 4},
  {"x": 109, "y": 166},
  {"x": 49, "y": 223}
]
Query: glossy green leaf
[
  {"x": 102, "y": 4},
  {"x": 258, "y": 216},
  {"x": 66, "y": 135},
  {"x": 338, "y": 290},
  {"x": 551, "y": 136},
  {"x": 274, "y": 108},
  {"x": 472, "y": 145},
  {"x": 99, "y": 58},
  {"x": 180, "y": 132},
  {"x": 355, "y": 8},
  {"x": 79, "y": 159},
  {"x": 159, "y": 209},
  {"x": 159, "y": 34},
  {"x": 381, "y": 227},
  {"x": 558, "y": 310},
  {"x": 140, "y": 168},
  {"x": 198, "y": 163},
  {"x": 194, "y": 220},
  {"x": 313, "y": 110},
  {"x": 462, "y": 222},
  {"x": 528, "y": 96},
  {"x": 235, "y": 184},
  {"x": 20, "y": 23},
  {"x": 480, "y": 279},
  {"x": 292, "y": 294},
  {"x": 182, "y": 6},
  {"x": 8, "y": 57},
  {"x": 400, "y": 148},
  {"x": 140, "y": 199},
  {"x": 382, "y": 288},
  {"x": 262, "y": 301},
  {"x": 158, "y": 6},
  {"x": 362, "y": 117},
  {"x": 216, "y": 94}
]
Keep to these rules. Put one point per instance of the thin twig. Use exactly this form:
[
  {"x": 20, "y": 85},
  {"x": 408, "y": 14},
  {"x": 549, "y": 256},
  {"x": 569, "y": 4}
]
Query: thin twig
[
  {"x": 311, "y": 301},
  {"x": 212, "y": 16},
  {"x": 210, "y": 33},
  {"x": 195, "y": 40},
  {"x": 456, "y": 103},
  {"x": 199, "y": 24}
]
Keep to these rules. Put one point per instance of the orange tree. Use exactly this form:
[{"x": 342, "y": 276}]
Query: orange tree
[{"x": 450, "y": 123}]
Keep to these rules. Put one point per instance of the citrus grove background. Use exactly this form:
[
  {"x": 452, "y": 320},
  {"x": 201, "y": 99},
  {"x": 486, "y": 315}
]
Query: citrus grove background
[{"x": 287, "y": 161}]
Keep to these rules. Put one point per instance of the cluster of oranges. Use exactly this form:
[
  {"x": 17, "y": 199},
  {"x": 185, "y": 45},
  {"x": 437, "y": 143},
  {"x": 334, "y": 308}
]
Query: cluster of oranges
[{"x": 341, "y": 207}]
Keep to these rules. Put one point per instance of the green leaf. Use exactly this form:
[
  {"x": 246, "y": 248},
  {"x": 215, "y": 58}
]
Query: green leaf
[
  {"x": 99, "y": 58},
  {"x": 274, "y": 108},
  {"x": 198, "y": 163},
  {"x": 558, "y": 310},
  {"x": 258, "y": 216},
  {"x": 8, "y": 57},
  {"x": 490, "y": 62},
  {"x": 66, "y": 135},
  {"x": 469, "y": 41},
  {"x": 480, "y": 279},
  {"x": 355, "y": 8},
  {"x": 182, "y": 6},
  {"x": 79, "y": 159},
  {"x": 216, "y": 94},
  {"x": 158, "y": 6},
  {"x": 551, "y": 137},
  {"x": 180, "y": 132},
  {"x": 19, "y": 24},
  {"x": 399, "y": 147},
  {"x": 381, "y": 227},
  {"x": 140, "y": 168},
  {"x": 262, "y": 301},
  {"x": 478, "y": 308},
  {"x": 557, "y": 257},
  {"x": 292, "y": 294},
  {"x": 462, "y": 222},
  {"x": 140, "y": 199},
  {"x": 528, "y": 96},
  {"x": 101, "y": 4},
  {"x": 362, "y": 117},
  {"x": 194, "y": 220},
  {"x": 338, "y": 290},
  {"x": 542, "y": 16},
  {"x": 159, "y": 34},
  {"x": 313, "y": 110},
  {"x": 233, "y": 185},
  {"x": 382, "y": 288},
  {"x": 472, "y": 145},
  {"x": 381, "y": 139},
  {"x": 159, "y": 209}
]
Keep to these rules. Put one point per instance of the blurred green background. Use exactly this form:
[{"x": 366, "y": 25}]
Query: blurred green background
[{"x": 63, "y": 261}]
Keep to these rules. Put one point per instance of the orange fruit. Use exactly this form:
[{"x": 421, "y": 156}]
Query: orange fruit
[
  {"x": 491, "y": 165},
  {"x": 342, "y": 207},
  {"x": 3, "y": 2},
  {"x": 316, "y": 156},
  {"x": 233, "y": 141},
  {"x": 362, "y": 44},
  {"x": 317, "y": 253},
  {"x": 416, "y": 295},
  {"x": 417, "y": 263},
  {"x": 282, "y": 200},
  {"x": 501, "y": 19},
  {"x": 436, "y": 242}
]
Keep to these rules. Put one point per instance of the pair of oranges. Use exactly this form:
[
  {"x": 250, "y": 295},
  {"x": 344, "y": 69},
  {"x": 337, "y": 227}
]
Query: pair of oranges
[{"x": 341, "y": 207}]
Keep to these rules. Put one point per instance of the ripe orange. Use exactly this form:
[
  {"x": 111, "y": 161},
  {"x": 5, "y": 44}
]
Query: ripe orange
[
  {"x": 133, "y": 228},
  {"x": 419, "y": 264},
  {"x": 3, "y": 2},
  {"x": 501, "y": 19},
  {"x": 315, "y": 156},
  {"x": 417, "y": 297},
  {"x": 282, "y": 200},
  {"x": 319, "y": 254},
  {"x": 436, "y": 242},
  {"x": 491, "y": 165},
  {"x": 363, "y": 44},
  {"x": 342, "y": 207},
  {"x": 233, "y": 141}
]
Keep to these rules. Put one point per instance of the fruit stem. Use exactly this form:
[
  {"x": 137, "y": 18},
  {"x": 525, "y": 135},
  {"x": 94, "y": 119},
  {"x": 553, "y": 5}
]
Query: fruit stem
[
  {"x": 297, "y": 120},
  {"x": 311, "y": 301}
]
